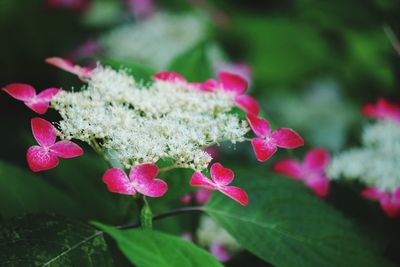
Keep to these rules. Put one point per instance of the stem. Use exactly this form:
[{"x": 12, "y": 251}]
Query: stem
[
  {"x": 146, "y": 216},
  {"x": 96, "y": 147},
  {"x": 168, "y": 168},
  {"x": 163, "y": 215},
  {"x": 392, "y": 38}
]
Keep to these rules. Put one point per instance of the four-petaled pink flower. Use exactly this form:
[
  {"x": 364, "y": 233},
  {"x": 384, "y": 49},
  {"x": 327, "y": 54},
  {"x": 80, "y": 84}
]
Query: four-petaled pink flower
[
  {"x": 141, "y": 8},
  {"x": 390, "y": 202},
  {"x": 26, "y": 93},
  {"x": 169, "y": 76},
  {"x": 45, "y": 156},
  {"x": 220, "y": 252},
  {"x": 236, "y": 85},
  {"x": 267, "y": 142},
  {"x": 382, "y": 110},
  {"x": 221, "y": 177},
  {"x": 142, "y": 179},
  {"x": 311, "y": 171},
  {"x": 83, "y": 73}
]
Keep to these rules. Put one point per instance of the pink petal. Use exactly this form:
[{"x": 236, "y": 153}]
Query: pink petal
[
  {"x": 290, "y": 168},
  {"x": 220, "y": 252},
  {"x": 202, "y": 196},
  {"x": 319, "y": 185},
  {"x": 43, "y": 131},
  {"x": 316, "y": 160},
  {"x": 66, "y": 65},
  {"x": 169, "y": 76},
  {"x": 259, "y": 126},
  {"x": 66, "y": 149},
  {"x": 382, "y": 110},
  {"x": 374, "y": 193},
  {"x": 263, "y": 149},
  {"x": 48, "y": 94},
  {"x": 210, "y": 86},
  {"x": 118, "y": 182},
  {"x": 20, "y": 91},
  {"x": 141, "y": 8},
  {"x": 38, "y": 106},
  {"x": 198, "y": 179},
  {"x": 248, "y": 104},
  {"x": 39, "y": 159},
  {"x": 390, "y": 207},
  {"x": 221, "y": 175},
  {"x": 212, "y": 151},
  {"x": 287, "y": 138},
  {"x": 396, "y": 193},
  {"x": 232, "y": 83},
  {"x": 143, "y": 179},
  {"x": 235, "y": 193}
]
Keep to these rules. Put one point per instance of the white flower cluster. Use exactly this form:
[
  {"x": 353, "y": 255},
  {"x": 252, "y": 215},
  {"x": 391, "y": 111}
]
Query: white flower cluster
[
  {"x": 148, "y": 123},
  {"x": 156, "y": 41},
  {"x": 376, "y": 163},
  {"x": 210, "y": 232}
]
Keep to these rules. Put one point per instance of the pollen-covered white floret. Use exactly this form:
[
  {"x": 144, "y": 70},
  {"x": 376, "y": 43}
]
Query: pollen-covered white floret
[
  {"x": 156, "y": 41},
  {"x": 148, "y": 123},
  {"x": 209, "y": 232},
  {"x": 376, "y": 163}
]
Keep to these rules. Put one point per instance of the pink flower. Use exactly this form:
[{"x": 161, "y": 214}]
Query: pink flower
[
  {"x": 78, "y": 5},
  {"x": 87, "y": 49},
  {"x": 169, "y": 76},
  {"x": 390, "y": 202},
  {"x": 142, "y": 179},
  {"x": 187, "y": 236},
  {"x": 267, "y": 142},
  {"x": 221, "y": 177},
  {"x": 382, "y": 110},
  {"x": 202, "y": 196},
  {"x": 141, "y": 8},
  {"x": 26, "y": 93},
  {"x": 220, "y": 252},
  {"x": 236, "y": 85},
  {"x": 186, "y": 199},
  {"x": 311, "y": 171},
  {"x": 45, "y": 156},
  {"x": 83, "y": 73},
  {"x": 240, "y": 69}
]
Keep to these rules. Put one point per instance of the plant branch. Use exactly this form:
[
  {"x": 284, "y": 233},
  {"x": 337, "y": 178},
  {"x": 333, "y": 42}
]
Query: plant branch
[
  {"x": 392, "y": 38},
  {"x": 163, "y": 215}
]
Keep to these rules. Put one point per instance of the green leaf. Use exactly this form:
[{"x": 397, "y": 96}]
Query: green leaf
[
  {"x": 23, "y": 192},
  {"x": 139, "y": 72},
  {"x": 48, "y": 240},
  {"x": 149, "y": 248},
  {"x": 286, "y": 225},
  {"x": 193, "y": 64}
]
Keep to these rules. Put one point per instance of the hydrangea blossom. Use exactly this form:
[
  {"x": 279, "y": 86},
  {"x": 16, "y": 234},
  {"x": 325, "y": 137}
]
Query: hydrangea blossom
[
  {"x": 82, "y": 72},
  {"x": 26, "y": 93},
  {"x": 146, "y": 124},
  {"x": 311, "y": 171},
  {"x": 383, "y": 109},
  {"x": 376, "y": 162},
  {"x": 156, "y": 41}
]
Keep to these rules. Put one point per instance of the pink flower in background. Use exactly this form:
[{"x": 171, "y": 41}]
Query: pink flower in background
[
  {"x": 187, "y": 236},
  {"x": 83, "y": 73},
  {"x": 390, "y": 202},
  {"x": 78, "y": 5},
  {"x": 202, "y": 196},
  {"x": 85, "y": 50},
  {"x": 141, "y": 8},
  {"x": 142, "y": 179},
  {"x": 45, "y": 156},
  {"x": 186, "y": 199},
  {"x": 220, "y": 252},
  {"x": 26, "y": 93},
  {"x": 220, "y": 178},
  {"x": 382, "y": 110},
  {"x": 267, "y": 142},
  {"x": 311, "y": 171}
]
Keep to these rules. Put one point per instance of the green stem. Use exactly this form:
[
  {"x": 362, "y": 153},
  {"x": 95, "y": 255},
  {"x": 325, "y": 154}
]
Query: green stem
[
  {"x": 96, "y": 147},
  {"x": 146, "y": 216}
]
